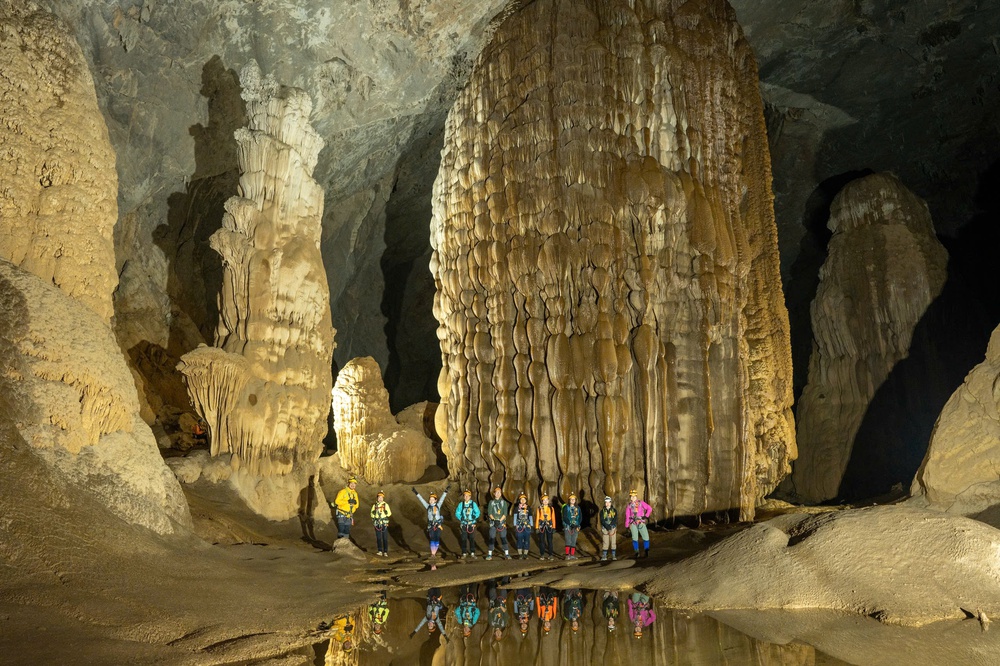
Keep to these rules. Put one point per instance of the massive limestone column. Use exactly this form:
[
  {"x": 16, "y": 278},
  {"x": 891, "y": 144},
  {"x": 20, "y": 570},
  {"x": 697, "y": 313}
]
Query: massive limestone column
[
  {"x": 961, "y": 471},
  {"x": 609, "y": 299},
  {"x": 65, "y": 386},
  {"x": 885, "y": 267},
  {"x": 264, "y": 389}
]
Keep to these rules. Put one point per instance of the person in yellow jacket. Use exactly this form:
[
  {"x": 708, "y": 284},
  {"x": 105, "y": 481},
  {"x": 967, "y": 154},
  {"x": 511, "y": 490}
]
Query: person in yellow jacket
[
  {"x": 344, "y": 506},
  {"x": 380, "y": 519}
]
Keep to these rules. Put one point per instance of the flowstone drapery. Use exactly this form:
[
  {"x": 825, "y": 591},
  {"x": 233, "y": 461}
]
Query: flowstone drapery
[
  {"x": 885, "y": 267},
  {"x": 265, "y": 388},
  {"x": 609, "y": 299}
]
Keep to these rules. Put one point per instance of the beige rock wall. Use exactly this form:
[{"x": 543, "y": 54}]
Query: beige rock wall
[
  {"x": 606, "y": 261},
  {"x": 264, "y": 389},
  {"x": 961, "y": 471},
  {"x": 58, "y": 198},
  {"x": 370, "y": 441},
  {"x": 885, "y": 267}
]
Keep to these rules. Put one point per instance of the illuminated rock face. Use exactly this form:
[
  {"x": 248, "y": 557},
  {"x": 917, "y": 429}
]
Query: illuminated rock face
[
  {"x": 370, "y": 441},
  {"x": 885, "y": 267},
  {"x": 609, "y": 299},
  {"x": 961, "y": 471},
  {"x": 265, "y": 388},
  {"x": 58, "y": 198}
]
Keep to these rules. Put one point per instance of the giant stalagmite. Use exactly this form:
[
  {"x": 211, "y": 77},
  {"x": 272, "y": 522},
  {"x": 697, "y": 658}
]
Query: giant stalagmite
[
  {"x": 264, "y": 389},
  {"x": 885, "y": 267},
  {"x": 65, "y": 386},
  {"x": 606, "y": 263}
]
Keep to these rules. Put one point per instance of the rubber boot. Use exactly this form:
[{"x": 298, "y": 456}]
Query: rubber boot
[
  {"x": 604, "y": 556},
  {"x": 614, "y": 555}
]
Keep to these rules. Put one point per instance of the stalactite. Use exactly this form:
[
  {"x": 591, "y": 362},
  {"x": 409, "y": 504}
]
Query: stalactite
[
  {"x": 606, "y": 261},
  {"x": 265, "y": 388}
]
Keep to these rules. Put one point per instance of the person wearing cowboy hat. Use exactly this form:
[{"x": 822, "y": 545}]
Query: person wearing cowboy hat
[
  {"x": 496, "y": 513},
  {"x": 523, "y": 522},
  {"x": 545, "y": 523},
  {"x": 344, "y": 505},
  {"x": 467, "y": 512},
  {"x": 608, "y": 518},
  {"x": 572, "y": 518},
  {"x": 380, "y": 519},
  {"x": 636, "y": 514},
  {"x": 434, "y": 518}
]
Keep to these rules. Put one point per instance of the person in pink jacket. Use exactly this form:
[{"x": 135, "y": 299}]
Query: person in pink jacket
[
  {"x": 640, "y": 612},
  {"x": 636, "y": 514}
]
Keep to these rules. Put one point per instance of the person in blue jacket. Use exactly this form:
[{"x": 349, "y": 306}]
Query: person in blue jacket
[
  {"x": 523, "y": 521},
  {"x": 467, "y": 611},
  {"x": 434, "y": 518},
  {"x": 467, "y": 512},
  {"x": 572, "y": 518}
]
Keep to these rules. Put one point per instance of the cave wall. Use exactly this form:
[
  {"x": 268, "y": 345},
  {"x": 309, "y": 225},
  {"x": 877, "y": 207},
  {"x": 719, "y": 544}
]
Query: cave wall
[{"x": 606, "y": 262}]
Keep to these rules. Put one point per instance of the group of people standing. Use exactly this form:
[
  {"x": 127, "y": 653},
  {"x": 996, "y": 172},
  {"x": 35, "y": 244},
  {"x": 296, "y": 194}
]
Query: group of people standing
[{"x": 542, "y": 520}]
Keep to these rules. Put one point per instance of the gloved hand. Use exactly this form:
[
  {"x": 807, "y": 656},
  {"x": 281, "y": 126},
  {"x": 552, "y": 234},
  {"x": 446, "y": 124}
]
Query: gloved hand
[{"x": 413, "y": 488}]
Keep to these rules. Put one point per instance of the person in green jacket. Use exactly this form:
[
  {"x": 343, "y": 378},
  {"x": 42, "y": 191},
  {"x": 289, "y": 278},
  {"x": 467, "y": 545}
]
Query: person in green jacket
[
  {"x": 496, "y": 513},
  {"x": 572, "y": 518},
  {"x": 380, "y": 519}
]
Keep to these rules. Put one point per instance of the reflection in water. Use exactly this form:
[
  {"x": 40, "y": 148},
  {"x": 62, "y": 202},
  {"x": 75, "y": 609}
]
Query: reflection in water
[{"x": 549, "y": 627}]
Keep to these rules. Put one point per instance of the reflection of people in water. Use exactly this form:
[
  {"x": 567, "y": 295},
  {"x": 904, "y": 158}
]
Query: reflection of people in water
[
  {"x": 342, "y": 633},
  {"x": 467, "y": 612},
  {"x": 573, "y": 607},
  {"x": 640, "y": 612},
  {"x": 610, "y": 608},
  {"x": 524, "y": 603},
  {"x": 498, "y": 606},
  {"x": 435, "y": 615},
  {"x": 548, "y": 607},
  {"x": 378, "y": 613}
]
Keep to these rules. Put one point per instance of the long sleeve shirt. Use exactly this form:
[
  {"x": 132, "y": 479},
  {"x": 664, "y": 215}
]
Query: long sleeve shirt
[
  {"x": 545, "y": 518},
  {"x": 571, "y": 516},
  {"x": 637, "y": 513},
  {"x": 346, "y": 502},
  {"x": 524, "y": 602},
  {"x": 609, "y": 518},
  {"x": 467, "y": 613},
  {"x": 497, "y": 510},
  {"x": 380, "y": 514},
  {"x": 523, "y": 520},
  {"x": 640, "y": 609},
  {"x": 434, "y": 515},
  {"x": 547, "y": 605},
  {"x": 467, "y": 512}
]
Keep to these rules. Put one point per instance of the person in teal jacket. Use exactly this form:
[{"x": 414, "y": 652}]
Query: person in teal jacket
[
  {"x": 467, "y": 611},
  {"x": 572, "y": 518},
  {"x": 496, "y": 513},
  {"x": 467, "y": 512}
]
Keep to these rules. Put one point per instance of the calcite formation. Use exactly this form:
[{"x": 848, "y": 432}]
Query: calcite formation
[
  {"x": 58, "y": 199},
  {"x": 961, "y": 471},
  {"x": 264, "y": 389},
  {"x": 884, "y": 268},
  {"x": 606, "y": 262},
  {"x": 370, "y": 441}
]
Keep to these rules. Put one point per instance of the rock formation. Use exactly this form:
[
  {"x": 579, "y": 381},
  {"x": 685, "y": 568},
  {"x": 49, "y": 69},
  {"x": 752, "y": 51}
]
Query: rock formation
[
  {"x": 961, "y": 471},
  {"x": 885, "y": 267},
  {"x": 606, "y": 262},
  {"x": 264, "y": 390},
  {"x": 370, "y": 442},
  {"x": 58, "y": 203},
  {"x": 898, "y": 565},
  {"x": 67, "y": 388}
]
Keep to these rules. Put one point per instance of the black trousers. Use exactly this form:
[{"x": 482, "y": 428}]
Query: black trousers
[
  {"x": 467, "y": 534},
  {"x": 545, "y": 540},
  {"x": 382, "y": 539}
]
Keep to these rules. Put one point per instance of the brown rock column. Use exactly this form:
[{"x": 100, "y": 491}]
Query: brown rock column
[
  {"x": 265, "y": 389},
  {"x": 609, "y": 299},
  {"x": 884, "y": 268}
]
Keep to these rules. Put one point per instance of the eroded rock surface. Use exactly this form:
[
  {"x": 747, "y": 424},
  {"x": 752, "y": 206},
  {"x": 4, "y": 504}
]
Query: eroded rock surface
[
  {"x": 370, "y": 441},
  {"x": 899, "y": 565},
  {"x": 58, "y": 200},
  {"x": 884, "y": 269},
  {"x": 265, "y": 389},
  {"x": 606, "y": 262},
  {"x": 961, "y": 471}
]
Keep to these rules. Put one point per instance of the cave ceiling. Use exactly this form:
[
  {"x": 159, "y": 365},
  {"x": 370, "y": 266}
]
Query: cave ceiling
[{"x": 909, "y": 87}]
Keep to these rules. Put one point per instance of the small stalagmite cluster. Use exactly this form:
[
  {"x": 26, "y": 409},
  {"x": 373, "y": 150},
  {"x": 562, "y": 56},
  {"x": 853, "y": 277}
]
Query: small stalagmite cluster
[
  {"x": 885, "y": 267},
  {"x": 370, "y": 441},
  {"x": 264, "y": 390},
  {"x": 606, "y": 262}
]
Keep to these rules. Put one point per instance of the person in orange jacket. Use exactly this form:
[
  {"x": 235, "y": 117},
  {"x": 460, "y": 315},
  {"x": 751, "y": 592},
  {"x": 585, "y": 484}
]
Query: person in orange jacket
[
  {"x": 545, "y": 525},
  {"x": 547, "y": 603}
]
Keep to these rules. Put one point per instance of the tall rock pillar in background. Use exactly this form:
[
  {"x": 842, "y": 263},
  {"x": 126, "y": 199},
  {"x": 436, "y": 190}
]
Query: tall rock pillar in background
[
  {"x": 265, "y": 389},
  {"x": 885, "y": 267},
  {"x": 609, "y": 299}
]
